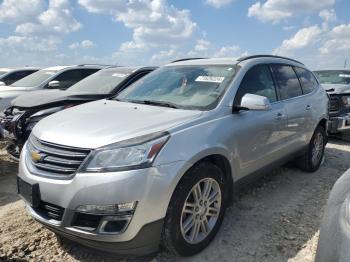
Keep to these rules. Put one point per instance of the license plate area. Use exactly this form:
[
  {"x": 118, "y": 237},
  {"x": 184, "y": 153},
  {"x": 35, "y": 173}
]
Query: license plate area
[{"x": 30, "y": 193}]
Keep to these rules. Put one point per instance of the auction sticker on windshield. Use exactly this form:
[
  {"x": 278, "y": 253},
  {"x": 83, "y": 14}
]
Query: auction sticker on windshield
[{"x": 212, "y": 79}]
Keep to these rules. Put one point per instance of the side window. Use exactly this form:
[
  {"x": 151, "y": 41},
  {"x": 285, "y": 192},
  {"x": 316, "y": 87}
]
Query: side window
[
  {"x": 257, "y": 81},
  {"x": 69, "y": 78},
  {"x": 307, "y": 79},
  {"x": 15, "y": 76},
  {"x": 87, "y": 72},
  {"x": 287, "y": 81}
]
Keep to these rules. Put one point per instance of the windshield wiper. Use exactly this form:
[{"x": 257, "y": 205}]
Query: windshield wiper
[{"x": 155, "y": 103}]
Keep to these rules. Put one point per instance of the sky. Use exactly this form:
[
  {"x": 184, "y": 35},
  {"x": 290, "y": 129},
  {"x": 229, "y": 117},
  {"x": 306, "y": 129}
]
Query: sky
[{"x": 145, "y": 32}]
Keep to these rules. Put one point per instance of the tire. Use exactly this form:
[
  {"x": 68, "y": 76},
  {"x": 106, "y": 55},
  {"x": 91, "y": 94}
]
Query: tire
[
  {"x": 345, "y": 136},
  {"x": 174, "y": 238},
  {"x": 306, "y": 161}
]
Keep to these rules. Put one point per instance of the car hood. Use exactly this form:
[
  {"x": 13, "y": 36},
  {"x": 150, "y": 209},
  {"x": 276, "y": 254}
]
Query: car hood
[
  {"x": 336, "y": 88},
  {"x": 43, "y": 97},
  {"x": 104, "y": 122},
  {"x": 11, "y": 91}
]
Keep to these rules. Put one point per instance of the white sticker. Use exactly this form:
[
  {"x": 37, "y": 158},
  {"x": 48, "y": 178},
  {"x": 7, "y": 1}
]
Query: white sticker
[
  {"x": 344, "y": 75},
  {"x": 212, "y": 79},
  {"x": 119, "y": 75}
]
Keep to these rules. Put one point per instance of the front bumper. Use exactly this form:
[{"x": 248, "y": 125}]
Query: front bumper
[
  {"x": 339, "y": 124},
  {"x": 151, "y": 188}
]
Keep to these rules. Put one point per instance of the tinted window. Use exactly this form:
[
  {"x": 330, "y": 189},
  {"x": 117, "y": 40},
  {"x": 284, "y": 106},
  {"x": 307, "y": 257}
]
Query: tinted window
[
  {"x": 35, "y": 79},
  {"x": 307, "y": 79},
  {"x": 287, "y": 81},
  {"x": 69, "y": 78},
  {"x": 257, "y": 81},
  {"x": 15, "y": 76}
]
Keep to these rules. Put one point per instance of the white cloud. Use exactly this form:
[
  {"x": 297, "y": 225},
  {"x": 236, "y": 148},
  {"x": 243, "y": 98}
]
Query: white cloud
[
  {"x": 28, "y": 44},
  {"x": 83, "y": 44},
  {"x": 218, "y": 3},
  {"x": 277, "y": 10},
  {"x": 17, "y": 11},
  {"x": 154, "y": 23},
  {"x": 227, "y": 51},
  {"x": 202, "y": 45},
  {"x": 304, "y": 37},
  {"x": 57, "y": 18},
  {"x": 319, "y": 47}
]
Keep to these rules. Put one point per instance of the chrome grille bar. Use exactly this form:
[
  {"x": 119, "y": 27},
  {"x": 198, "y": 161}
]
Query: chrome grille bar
[{"x": 55, "y": 161}]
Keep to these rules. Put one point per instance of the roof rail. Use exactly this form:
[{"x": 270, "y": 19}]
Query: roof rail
[
  {"x": 274, "y": 56},
  {"x": 186, "y": 59},
  {"x": 92, "y": 65}
]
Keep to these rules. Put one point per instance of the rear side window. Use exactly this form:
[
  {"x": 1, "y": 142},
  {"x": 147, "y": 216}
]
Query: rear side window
[
  {"x": 70, "y": 77},
  {"x": 287, "y": 81},
  {"x": 307, "y": 79},
  {"x": 15, "y": 76},
  {"x": 257, "y": 81}
]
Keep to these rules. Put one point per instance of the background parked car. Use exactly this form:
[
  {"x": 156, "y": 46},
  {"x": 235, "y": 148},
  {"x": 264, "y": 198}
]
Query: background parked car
[
  {"x": 14, "y": 75},
  {"x": 334, "y": 240},
  {"x": 161, "y": 159},
  {"x": 4, "y": 70},
  {"x": 337, "y": 85},
  {"x": 59, "y": 77},
  {"x": 28, "y": 109}
]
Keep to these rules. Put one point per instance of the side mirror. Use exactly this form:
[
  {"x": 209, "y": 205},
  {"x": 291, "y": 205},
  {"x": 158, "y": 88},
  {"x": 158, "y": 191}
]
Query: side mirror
[
  {"x": 2, "y": 83},
  {"x": 54, "y": 84},
  {"x": 255, "y": 102}
]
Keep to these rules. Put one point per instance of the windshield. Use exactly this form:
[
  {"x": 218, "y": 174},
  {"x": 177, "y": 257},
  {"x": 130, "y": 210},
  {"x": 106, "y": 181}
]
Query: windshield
[
  {"x": 189, "y": 87},
  {"x": 35, "y": 79},
  {"x": 102, "y": 82},
  {"x": 334, "y": 77}
]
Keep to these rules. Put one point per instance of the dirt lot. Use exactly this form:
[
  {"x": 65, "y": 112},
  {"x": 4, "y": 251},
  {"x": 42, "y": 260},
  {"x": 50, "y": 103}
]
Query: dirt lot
[{"x": 276, "y": 219}]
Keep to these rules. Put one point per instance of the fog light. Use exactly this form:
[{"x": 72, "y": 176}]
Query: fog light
[{"x": 107, "y": 209}]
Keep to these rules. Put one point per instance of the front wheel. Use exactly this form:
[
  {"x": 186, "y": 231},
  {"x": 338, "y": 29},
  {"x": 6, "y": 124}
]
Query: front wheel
[
  {"x": 196, "y": 210},
  {"x": 312, "y": 158}
]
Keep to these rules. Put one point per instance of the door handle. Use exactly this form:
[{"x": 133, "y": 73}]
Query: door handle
[
  {"x": 308, "y": 107},
  {"x": 279, "y": 116}
]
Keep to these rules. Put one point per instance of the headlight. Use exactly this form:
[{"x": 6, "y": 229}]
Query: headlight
[
  {"x": 346, "y": 100},
  {"x": 134, "y": 153}
]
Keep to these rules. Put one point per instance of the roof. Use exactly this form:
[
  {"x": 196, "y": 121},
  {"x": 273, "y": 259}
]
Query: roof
[
  {"x": 24, "y": 68},
  {"x": 231, "y": 61},
  {"x": 205, "y": 61},
  {"x": 5, "y": 69},
  {"x": 129, "y": 68},
  {"x": 58, "y": 68}
]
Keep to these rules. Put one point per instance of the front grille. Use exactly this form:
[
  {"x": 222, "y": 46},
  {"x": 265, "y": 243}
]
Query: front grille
[
  {"x": 50, "y": 211},
  {"x": 335, "y": 104},
  {"x": 55, "y": 160}
]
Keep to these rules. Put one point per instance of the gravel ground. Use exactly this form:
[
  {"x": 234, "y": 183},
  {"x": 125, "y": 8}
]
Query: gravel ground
[{"x": 275, "y": 219}]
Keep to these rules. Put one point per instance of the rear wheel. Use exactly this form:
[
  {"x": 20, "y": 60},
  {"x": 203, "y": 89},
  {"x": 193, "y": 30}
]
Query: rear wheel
[
  {"x": 312, "y": 158},
  {"x": 196, "y": 210}
]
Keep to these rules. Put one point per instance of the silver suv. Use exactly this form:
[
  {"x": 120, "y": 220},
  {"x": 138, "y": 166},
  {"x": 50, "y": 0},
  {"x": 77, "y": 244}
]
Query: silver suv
[{"x": 160, "y": 162}]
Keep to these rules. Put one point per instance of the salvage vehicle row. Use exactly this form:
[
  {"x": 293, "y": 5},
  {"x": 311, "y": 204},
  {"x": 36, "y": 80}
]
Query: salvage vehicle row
[{"x": 158, "y": 163}]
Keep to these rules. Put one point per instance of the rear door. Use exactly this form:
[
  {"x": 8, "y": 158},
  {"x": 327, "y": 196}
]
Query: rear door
[{"x": 295, "y": 102}]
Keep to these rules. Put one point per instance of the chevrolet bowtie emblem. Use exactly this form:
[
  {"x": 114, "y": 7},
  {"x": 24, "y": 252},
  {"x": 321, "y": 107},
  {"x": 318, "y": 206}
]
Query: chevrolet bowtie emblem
[{"x": 36, "y": 156}]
